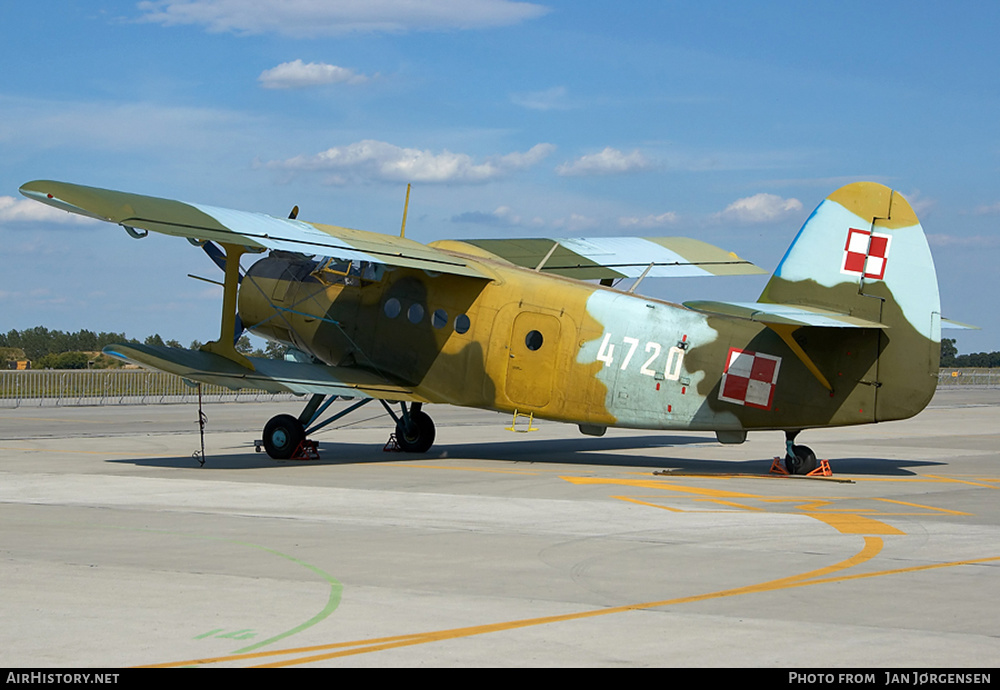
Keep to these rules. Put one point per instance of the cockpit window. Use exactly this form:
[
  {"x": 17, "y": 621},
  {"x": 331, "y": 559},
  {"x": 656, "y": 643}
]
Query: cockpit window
[{"x": 352, "y": 273}]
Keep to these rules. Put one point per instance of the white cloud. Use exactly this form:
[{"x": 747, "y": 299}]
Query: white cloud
[
  {"x": 312, "y": 18},
  {"x": 378, "y": 160},
  {"x": 972, "y": 241},
  {"x": 298, "y": 75},
  {"x": 650, "y": 221},
  {"x": 116, "y": 126},
  {"x": 549, "y": 99},
  {"x": 503, "y": 217},
  {"x": 13, "y": 210},
  {"x": 576, "y": 223},
  {"x": 608, "y": 162},
  {"x": 760, "y": 208},
  {"x": 987, "y": 209}
]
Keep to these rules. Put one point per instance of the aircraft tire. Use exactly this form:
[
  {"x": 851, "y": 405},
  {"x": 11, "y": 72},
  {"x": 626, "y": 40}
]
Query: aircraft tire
[
  {"x": 282, "y": 435},
  {"x": 802, "y": 462},
  {"x": 420, "y": 436}
]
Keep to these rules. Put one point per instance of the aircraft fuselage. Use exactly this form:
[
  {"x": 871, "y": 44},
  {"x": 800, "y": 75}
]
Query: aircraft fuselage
[{"x": 560, "y": 349}]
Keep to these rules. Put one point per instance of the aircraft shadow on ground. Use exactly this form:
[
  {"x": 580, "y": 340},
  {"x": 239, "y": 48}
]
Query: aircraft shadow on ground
[{"x": 582, "y": 451}]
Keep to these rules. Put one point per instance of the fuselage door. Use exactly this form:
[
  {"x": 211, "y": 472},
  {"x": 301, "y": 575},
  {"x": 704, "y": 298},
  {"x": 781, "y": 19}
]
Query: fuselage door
[{"x": 534, "y": 350}]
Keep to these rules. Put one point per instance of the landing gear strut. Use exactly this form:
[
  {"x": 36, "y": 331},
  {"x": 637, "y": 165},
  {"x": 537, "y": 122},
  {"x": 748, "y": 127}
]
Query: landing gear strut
[
  {"x": 798, "y": 459},
  {"x": 284, "y": 434}
]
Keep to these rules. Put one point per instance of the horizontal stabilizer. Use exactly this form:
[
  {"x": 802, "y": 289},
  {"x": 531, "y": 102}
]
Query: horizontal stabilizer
[
  {"x": 783, "y": 314},
  {"x": 958, "y": 325},
  {"x": 272, "y": 375},
  {"x": 253, "y": 230},
  {"x": 619, "y": 257}
]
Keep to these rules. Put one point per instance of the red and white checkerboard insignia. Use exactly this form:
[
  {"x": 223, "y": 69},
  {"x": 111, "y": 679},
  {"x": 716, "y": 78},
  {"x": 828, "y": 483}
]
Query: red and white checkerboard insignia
[
  {"x": 749, "y": 378},
  {"x": 866, "y": 253}
]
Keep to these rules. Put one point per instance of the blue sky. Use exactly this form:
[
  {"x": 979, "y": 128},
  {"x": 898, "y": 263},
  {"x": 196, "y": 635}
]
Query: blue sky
[{"x": 724, "y": 121}]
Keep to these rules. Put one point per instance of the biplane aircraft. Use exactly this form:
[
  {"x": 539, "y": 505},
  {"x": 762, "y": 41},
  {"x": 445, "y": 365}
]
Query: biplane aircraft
[{"x": 847, "y": 330}]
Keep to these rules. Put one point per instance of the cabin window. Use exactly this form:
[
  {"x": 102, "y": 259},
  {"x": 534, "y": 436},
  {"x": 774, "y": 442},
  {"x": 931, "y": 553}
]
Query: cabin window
[
  {"x": 439, "y": 319},
  {"x": 392, "y": 307},
  {"x": 462, "y": 323},
  {"x": 533, "y": 340},
  {"x": 415, "y": 313}
]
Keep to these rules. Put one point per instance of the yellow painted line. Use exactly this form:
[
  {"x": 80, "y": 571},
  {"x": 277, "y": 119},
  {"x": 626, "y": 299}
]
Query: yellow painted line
[
  {"x": 927, "y": 478},
  {"x": 731, "y": 504},
  {"x": 461, "y": 469},
  {"x": 964, "y": 481},
  {"x": 901, "y": 571},
  {"x": 872, "y": 548},
  {"x": 851, "y": 511},
  {"x": 814, "y": 505},
  {"x": 86, "y": 452},
  {"x": 648, "y": 504},
  {"x": 917, "y": 505},
  {"x": 658, "y": 484},
  {"x": 873, "y": 545},
  {"x": 855, "y": 524},
  {"x": 845, "y": 520}
]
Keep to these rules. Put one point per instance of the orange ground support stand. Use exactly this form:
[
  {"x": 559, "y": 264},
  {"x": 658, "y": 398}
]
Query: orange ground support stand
[
  {"x": 307, "y": 450},
  {"x": 392, "y": 445},
  {"x": 778, "y": 467}
]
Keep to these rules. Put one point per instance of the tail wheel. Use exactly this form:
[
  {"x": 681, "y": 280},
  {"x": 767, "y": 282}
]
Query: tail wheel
[
  {"x": 282, "y": 435},
  {"x": 418, "y": 435},
  {"x": 801, "y": 460}
]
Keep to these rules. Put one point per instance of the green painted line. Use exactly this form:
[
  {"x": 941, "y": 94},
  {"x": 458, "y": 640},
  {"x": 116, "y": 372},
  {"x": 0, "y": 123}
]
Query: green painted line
[
  {"x": 333, "y": 601},
  {"x": 244, "y": 634},
  {"x": 336, "y": 590}
]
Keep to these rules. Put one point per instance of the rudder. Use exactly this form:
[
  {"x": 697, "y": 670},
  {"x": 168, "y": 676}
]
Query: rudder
[{"x": 863, "y": 252}]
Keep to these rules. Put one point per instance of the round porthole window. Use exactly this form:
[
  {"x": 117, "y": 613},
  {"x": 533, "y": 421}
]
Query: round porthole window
[
  {"x": 415, "y": 313},
  {"x": 462, "y": 323},
  {"x": 392, "y": 307},
  {"x": 533, "y": 340},
  {"x": 439, "y": 319}
]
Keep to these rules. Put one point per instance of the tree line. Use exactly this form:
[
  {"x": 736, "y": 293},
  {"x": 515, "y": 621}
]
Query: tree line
[
  {"x": 951, "y": 358},
  {"x": 48, "y": 349}
]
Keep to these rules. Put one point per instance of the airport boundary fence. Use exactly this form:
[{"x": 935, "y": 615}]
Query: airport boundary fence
[
  {"x": 115, "y": 387},
  {"x": 977, "y": 377},
  {"x": 140, "y": 387}
]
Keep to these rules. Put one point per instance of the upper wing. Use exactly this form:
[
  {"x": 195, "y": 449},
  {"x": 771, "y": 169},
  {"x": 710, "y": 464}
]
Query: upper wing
[
  {"x": 584, "y": 259},
  {"x": 255, "y": 230},
  {"x": 620, "y": 257}
]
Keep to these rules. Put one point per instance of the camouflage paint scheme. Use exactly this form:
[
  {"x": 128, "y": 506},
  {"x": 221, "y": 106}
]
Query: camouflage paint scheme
[{"x": 847, "y": 330}]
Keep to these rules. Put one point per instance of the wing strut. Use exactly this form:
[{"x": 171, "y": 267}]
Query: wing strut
[{"x": 224, "y": 346}]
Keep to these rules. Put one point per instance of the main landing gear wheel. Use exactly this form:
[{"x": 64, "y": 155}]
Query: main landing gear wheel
[
  {"x": 801, "y": 460},
  {"x": 282, "y": 435},
  {"x": 418, "y": 435}
]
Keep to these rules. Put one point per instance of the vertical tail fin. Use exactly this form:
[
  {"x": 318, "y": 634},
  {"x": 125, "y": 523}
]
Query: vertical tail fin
[{"x": 864, "y": 253}]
